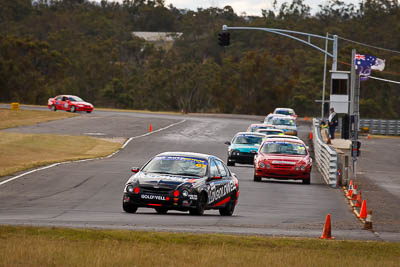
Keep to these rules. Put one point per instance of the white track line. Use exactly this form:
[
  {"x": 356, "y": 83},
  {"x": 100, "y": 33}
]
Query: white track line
[{"x": 82, "y": 160}]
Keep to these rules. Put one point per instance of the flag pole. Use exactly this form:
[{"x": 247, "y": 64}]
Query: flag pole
[{"x": 324, "y": 82}]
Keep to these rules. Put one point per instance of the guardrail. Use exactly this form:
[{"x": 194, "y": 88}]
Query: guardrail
[
  {"x": 325, "y": 157},
  {"x": 384, "y": 127}
]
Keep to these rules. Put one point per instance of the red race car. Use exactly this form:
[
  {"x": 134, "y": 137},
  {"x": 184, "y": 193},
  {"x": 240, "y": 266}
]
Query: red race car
[
  {"x": 283, "y": 158},
  {"x": 69, "y": 103}
]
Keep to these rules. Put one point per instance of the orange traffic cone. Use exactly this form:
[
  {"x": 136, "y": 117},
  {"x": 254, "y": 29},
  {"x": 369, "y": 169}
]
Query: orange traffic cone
[
  {"x": 326, "y": 232},
  {"x": 368, "y": 220},
  {"x": 363, "y": 211},
  {"x": 354, "y": 195},
  {"x": 358, "y": 200},
  {"x": 350, "y": 185},
  {"x": 350, "y": 193},
  {"x": 369, "y": 136},
  {"x": 150, "y": 128}
]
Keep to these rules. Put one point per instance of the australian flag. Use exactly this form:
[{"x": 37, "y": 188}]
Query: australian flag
[{"x": 366, "y": 63}]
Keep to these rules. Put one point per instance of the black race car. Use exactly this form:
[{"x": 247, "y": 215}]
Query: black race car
[{"x": 182, "y": 181}]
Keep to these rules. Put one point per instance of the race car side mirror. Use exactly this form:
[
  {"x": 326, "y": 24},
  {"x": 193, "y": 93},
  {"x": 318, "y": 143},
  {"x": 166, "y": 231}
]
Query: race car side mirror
[
  {"x": 228, "y": 143},
  {"x": 135, "y": 169}
]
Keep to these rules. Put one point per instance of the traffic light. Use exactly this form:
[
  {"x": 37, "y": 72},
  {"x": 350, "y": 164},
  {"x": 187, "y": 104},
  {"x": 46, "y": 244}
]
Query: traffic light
[
  {"x": 224, "y": 38},
  {"x": 355, "y": 148}
]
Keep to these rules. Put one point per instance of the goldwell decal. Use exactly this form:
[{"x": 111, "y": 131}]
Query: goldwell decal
[
  {"x": 214, "y": 194},
  {"x": 153, "y": 197}
]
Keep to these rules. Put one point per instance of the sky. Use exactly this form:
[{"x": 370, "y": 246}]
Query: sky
[{"x": 251, "y": 7}]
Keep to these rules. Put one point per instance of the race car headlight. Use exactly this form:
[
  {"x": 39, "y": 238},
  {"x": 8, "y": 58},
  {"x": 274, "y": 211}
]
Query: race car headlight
[
  {"x": 303, "y": 167},
  {"x": 129, "y": 188},
  {"x": 185, "y": 193},
  {"x": 262, "y": 165},
  {"x": 268, "y": 166},
  {"x": 235, "y": 152}
]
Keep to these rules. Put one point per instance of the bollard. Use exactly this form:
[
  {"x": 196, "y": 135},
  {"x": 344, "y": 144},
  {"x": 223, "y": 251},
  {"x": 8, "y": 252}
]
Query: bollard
[{"x": 15, "y": 106}]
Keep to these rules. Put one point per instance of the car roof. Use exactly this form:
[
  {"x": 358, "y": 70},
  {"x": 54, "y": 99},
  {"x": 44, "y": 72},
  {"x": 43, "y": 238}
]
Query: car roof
[
  {"x": 251, "y": 133},
  {"x": 284, "y": 109},
  {"x": 186, "y": 154},
  {"x": 68, "y": 95},
  {"x": 284, "y": 118},
  {"x": 299, "y": 141},
  {"x": 274, "y": 129},
  {"x": 280, "y": 136},
  {"x": 261, "y": 124}
]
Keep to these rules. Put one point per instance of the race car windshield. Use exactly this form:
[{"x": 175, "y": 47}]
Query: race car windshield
[
  {"x": 270, "y": 132},
  {"x": 248, "y": 139},
  {"x": 76, "y": 99},
  {"x": 284, "y": 112},
  {"x": 283, "y": 148},
  {"x": 176, "y": 165},
  {"x": 286, "y": 122}
]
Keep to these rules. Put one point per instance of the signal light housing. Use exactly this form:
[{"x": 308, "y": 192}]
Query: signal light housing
[{"x": 224, "y": 38}]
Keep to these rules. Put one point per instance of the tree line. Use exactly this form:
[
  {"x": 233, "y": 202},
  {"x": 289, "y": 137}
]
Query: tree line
[{"x": 50, "y": 47}]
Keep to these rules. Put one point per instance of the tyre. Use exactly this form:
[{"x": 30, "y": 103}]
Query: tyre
[
  {"x": 307, "y": 181},
  {"x": 257, "y": 178},
  {"x": 228, "y": 209},
  {"x": 53, "y": 108},
  {"x": 201, "y": 205},
  {"x": 161, "y": 210},
  {"x": 88, "y": 111},
  {"x": 129, "y": 208},
  {"x": 230, "y": 163},
  {"x": 73, "y": 109}
]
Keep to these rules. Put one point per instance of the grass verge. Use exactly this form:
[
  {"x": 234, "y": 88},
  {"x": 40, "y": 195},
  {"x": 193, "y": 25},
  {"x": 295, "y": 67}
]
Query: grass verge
[
  {"x": 24, "y": 151},
  {"x": 38, "y": 246},
  {"x": 13, "y": 118}
]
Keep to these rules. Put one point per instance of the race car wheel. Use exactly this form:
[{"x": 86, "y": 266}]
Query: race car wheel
[
  {"x": 228, "y": 209},
  {"x": 161, "y": 210},
  {"x": 88, "y": 111},
  {"x": 129, "y": 208},
  {"x": 230, "y": 163},
  {"x": 257, "y": 178},
  {"x": 73, "y": 109},
  {"x": 53, "y": 108},
  {"x": 201, "y": 205}
]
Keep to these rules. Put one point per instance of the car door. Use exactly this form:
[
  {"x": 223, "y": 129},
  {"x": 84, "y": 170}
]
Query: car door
[
  {"x": 228, "y": 182},
  {"x": 218, "y": 187},
  {"x": 63, "y": 103},
  {"x": 57, "y": 102}
]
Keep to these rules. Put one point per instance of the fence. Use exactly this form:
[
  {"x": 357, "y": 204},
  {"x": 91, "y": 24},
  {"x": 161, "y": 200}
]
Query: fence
[
  {"x": 384, "y": 127},
  {"x": 326, "y": 157}
]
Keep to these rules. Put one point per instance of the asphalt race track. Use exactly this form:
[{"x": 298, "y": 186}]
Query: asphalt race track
[{"x": 89, "y": 194}]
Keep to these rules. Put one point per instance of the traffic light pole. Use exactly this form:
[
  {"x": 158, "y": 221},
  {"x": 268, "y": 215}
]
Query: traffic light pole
[{"x": 287, "y": 33}]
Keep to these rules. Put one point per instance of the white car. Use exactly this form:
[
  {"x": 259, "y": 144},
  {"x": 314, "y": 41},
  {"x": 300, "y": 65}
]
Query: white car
[
  {"x": 285, "y": 111},
  {"x": 271, "y": 116},
  {"x": 283, "y": 136},
  {"x": 287, "y": 124},
  {"x": 270, "y": 131}
]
